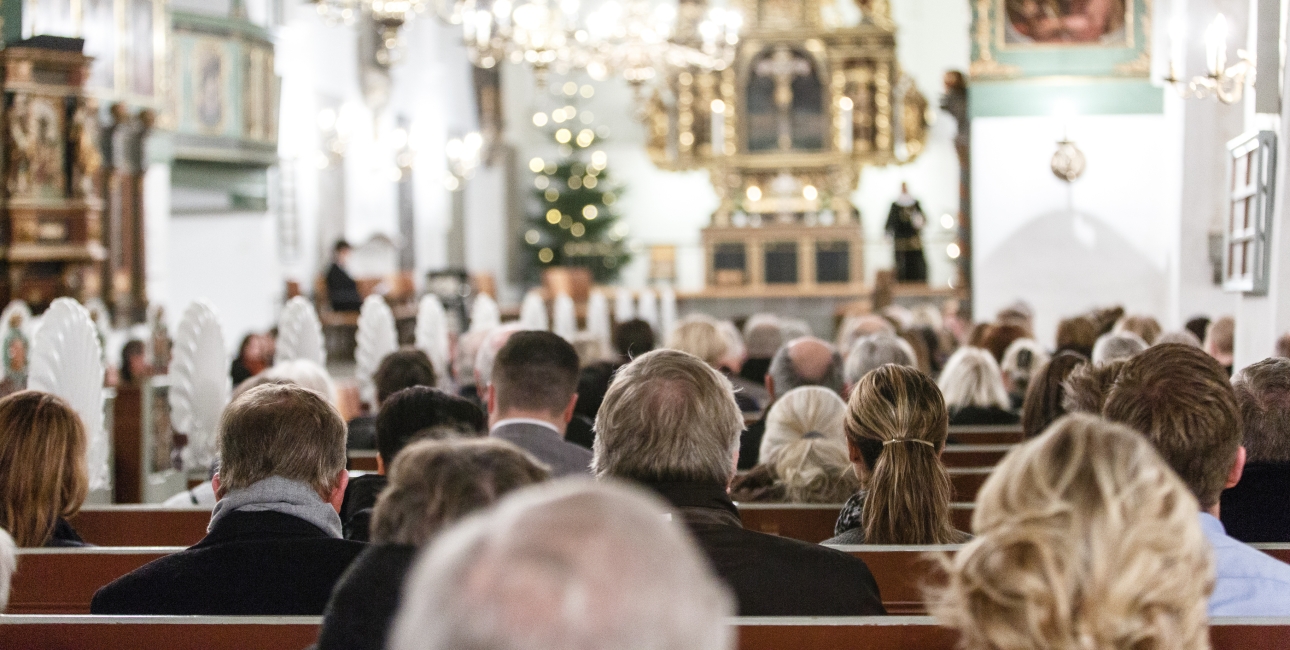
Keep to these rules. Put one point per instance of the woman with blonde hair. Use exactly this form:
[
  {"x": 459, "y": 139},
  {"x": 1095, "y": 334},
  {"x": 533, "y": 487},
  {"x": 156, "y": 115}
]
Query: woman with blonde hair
[
  {"x": 719, "y": 345},
  {"x": 1085, "y": 540},
  {"x": 43, "y": 475},
  {"x": 896, "y": 426},
  {"x": 803, "y": 454},
  {"x": 972, "y": 384}
]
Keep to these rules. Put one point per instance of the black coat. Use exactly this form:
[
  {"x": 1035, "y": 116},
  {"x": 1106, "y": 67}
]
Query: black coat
[
  {"x": 1257, "y": 510},
  {"x": 363, "y": 605},
  {"x": 982, "y": 415},
  {"x": 750, "y": 442},
  {"x": 770, "y": 575},
  {"x": 250, "y": 564},
  {"x": 342, "y": 290},
  {"x": 64, "y": 536},
  {"x": 356, "y": 509}
]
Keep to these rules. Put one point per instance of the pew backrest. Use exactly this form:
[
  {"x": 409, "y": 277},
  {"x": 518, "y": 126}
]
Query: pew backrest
[
  {"x": 974, "y": 455},
  {"x": 967, "y": 481},
  {"x": 1278, "y": 551},
  {"x": 132, "y": 525},
  {"x": 902, "y": 572},
  {"x": 987, "y": 434},
  {"x": 63, "y": 580},
  {"x": 806, "y": 522},
  {"x": 112, "y": 632},
  {"x": 363, "y": 460}
]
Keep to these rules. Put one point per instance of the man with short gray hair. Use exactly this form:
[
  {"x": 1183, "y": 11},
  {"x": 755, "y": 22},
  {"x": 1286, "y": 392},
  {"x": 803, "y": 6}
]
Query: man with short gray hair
[
  {"x": 570, "y": 565},
  {"x": 670, "y": 422},
  {"x": 1117, "y": 346},
  {"x": 1257, "y": 510},
  {"x": 803, "y": 361},
  {"x": 874, "y": 351},
  {"x": 274, "y": 543}
]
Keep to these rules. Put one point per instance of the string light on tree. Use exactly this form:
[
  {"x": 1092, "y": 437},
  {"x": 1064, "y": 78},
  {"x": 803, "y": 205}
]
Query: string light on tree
[{"x": 573, "y": 222}]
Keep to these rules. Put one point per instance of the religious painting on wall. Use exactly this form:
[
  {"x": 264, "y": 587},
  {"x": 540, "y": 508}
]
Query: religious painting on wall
[
  {"x": 207, "y": 85},
  {"x": 1046, "y": 38},
  {"x": 785, "y": 102},
  {"x": 1057, "y": 22}
]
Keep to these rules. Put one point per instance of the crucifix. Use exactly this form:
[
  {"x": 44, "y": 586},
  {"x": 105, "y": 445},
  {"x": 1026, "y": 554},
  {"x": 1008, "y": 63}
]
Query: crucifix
[{"x": 783, "y": 66}]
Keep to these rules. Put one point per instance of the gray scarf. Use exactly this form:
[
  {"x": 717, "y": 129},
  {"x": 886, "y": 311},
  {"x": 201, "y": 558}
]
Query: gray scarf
[{"x": 277, "y": 494}]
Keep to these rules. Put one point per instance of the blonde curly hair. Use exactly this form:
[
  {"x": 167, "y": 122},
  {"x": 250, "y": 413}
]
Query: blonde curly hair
[
  {"x": 805, "y": 444},
  {"x": 1086, "y": 540}
]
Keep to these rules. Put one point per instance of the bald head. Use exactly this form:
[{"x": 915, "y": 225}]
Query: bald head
[{"x": 805, "y": 361}]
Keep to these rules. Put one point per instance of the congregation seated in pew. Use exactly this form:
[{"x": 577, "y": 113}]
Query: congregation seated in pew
[
  {"x": 896, "y": 427},
  {"x": 801, "y": 361},
  {"x": 412, "y": 414},
  {"x": 403, "y": 368},
  {"x": 43, "y": 472},
  {"x": 274, "y": 546},
  {"x": 432, "y": 484},
  {"x": 1257, "y": 509},
  {"x": 670, "y": 422},
  {"x": 973, "y": 387}
]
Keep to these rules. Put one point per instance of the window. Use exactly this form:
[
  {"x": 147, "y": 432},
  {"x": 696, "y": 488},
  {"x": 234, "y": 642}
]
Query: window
[
  {"x": 1245, "y": 245},
  {"x": 832, "y": 262},
  {"x": 781, "y": 263}
]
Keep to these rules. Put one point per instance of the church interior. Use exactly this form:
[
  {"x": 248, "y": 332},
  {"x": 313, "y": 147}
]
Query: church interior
[{"x": 203, "y": 196}]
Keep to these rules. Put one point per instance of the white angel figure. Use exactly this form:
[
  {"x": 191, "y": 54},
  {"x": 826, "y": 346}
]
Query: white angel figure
[
  {"x": 67, "y": 361},
  {"x": 667, "y": 312},
  {"x": 598, "y": 325},
  {"x": 484, "y": 314},
  {"x": 647, "y": 310},
  {"x": 565, "y": 323},
  {"x": 378, "y": 335},
  {"x": 300, "y": 334},
  {"x": 432, "y": 335},
  {"x": 199, "y": 383},
  {"x": 533, "y": 312},
  {"x": 624, "y": 307}
]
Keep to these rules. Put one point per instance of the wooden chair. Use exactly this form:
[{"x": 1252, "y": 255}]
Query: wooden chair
[
  {"x": 135, "y": 525},
  {"x": 63, "y": 581},
  {"x": 113, "y": 632}
]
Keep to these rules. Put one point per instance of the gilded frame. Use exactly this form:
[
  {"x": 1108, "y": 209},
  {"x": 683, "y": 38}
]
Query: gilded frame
[{"x": 992, "y": 58}]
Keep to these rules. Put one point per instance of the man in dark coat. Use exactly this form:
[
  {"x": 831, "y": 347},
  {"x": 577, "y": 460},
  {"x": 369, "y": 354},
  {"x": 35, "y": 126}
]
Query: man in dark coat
[
  {"x": 274, "y": 543},
  {"x": 671, "y": 423},
  {"x": 342, "y": 290},
  {"x": 1257, "y": 510},
  {"x": 532, "y": 394},
  {"x": 904, "y": 225}
]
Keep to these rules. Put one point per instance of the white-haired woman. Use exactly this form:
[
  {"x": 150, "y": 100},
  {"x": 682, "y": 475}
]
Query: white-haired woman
[
  {"x": 973, "y": 387},
  {"x": 1023, "y": 358},
  {"x": 1084, "y": 539},
  {"x": 803, "y": 454}
]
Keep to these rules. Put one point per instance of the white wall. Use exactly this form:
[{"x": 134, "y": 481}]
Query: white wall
[{"x": 1105, "y": 239}]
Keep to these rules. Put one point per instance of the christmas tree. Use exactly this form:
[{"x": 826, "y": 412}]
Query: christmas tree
[{"x": 574, "y": 222}]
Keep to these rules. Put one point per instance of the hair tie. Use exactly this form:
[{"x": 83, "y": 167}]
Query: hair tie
[
  {"x": 921, "y": 442},
  {"x": 812, "y": 434}
]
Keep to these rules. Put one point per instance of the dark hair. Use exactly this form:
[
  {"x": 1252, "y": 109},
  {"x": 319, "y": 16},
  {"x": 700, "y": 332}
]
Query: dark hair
[
  {"x": 132, "y": 348},
  {"x": 1043, "y": 403},
  {"x": 340, "y": 245},
  {"x": 408, "y": 413},
  {"x": 1077, "y": 334},
  {"x": 403, "y": 368},
  {"x": 535, "y": 371},
  {"x": 593, "y": 383},
  {"x": 633, "y": 338},
  {"x": 1182, "y": 400},
  {"x": 999, "y": 337},
  {"x": 1263, "y": 394},
  {"x": 1198, "y": 325}
]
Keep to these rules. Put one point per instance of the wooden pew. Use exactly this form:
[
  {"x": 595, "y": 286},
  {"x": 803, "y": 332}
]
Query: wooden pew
[
  {"x": 922, "y": 633},
  {"x": 113, "y": 632},
  {"x": 967, "y": 481},
  {"x": 135, "y": 525},
  {"x": 63, "y": 580},
  {"x": 363, "y": 460},
  {"x": 989, "y": 434},
  {"x": 814, "y": 522},
  {"x": 973, "y": 455},
  {"x": 901, "y": 573},
  {"x": 767, "y": 633},
  {"x": 1278, "y": 551}
]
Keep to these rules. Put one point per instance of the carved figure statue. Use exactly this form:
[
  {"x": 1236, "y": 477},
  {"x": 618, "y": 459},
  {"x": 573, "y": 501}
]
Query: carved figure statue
[
  {"x": 21, "y": 144},
  {"x": 83, "y": 138}
]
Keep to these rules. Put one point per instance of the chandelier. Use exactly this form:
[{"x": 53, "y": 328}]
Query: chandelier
[{"x": 388, "y": 16}]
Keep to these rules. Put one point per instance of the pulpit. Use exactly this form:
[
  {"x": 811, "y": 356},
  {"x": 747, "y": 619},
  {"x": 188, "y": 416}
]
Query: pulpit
[{"x": 50, "y": 233}]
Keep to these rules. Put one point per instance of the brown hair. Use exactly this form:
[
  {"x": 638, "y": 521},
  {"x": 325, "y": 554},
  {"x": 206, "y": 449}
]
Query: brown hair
[
  {"x": 1077, "y": 334},
  {"x": 535, "y": 371},
  {"x": 43, "y": 475},
  {"x": 282, "y": 430},
  {"x": 1181, "y": 399},
  {"x": 1087, "y": 386},
  {"x": 434, "y": 483},
  {"x": 1145, "y": 326},
  {"x": 897, "y": 420},
  {"x": 998, "y": 337},
  {"x": 1263, "y": 395},
  {"x": 1046, "y": 392}
]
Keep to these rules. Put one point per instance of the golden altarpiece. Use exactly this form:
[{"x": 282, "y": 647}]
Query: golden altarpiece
[
  {"x": 812, "y": 96},
  {"x": 50, "y": 233}
]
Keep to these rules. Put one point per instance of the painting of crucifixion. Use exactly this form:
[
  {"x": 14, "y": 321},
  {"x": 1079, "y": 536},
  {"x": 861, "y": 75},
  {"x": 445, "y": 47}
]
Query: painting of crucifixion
[{"x": 785, "y": 102}]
